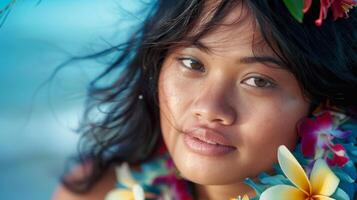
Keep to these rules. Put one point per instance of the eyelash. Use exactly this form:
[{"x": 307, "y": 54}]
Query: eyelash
[
  {"x": 270, "y": 83},
  {"x": 183, "y": 59}
]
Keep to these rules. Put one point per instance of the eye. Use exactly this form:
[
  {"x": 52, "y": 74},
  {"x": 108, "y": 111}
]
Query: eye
[
  {"x": 192, "y": 64},
  {"x": 259, "y": 82}
]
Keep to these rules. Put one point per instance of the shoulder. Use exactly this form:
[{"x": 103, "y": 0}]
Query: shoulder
[{"x": 99, "y": 190}]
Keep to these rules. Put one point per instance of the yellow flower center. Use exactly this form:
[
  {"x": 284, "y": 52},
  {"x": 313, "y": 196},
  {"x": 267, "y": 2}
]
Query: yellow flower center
[{"x": 309, "y": 198}]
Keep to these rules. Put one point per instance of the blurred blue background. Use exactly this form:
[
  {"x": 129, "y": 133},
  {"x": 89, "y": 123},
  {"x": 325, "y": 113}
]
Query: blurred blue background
[{"x": 36, "y": 123}]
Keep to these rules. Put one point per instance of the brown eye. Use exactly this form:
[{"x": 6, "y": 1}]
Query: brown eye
[
  {"x": 258, "y": 82},
  {"x": 192, "y": 64}
]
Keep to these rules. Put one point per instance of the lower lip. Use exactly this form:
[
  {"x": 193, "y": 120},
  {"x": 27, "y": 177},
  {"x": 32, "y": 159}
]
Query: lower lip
[{"x": 204, "y": 148}]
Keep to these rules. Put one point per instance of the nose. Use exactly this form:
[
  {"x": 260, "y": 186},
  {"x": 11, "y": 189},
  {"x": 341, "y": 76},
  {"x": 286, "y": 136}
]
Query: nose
[{"x": 214, "y": 105}]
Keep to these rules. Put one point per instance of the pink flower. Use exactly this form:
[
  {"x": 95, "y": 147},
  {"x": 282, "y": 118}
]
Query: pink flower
[{"x": 316, "y": 139}]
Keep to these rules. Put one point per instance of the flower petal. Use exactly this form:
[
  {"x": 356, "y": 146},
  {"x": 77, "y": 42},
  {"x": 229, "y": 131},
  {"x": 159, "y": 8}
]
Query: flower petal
[
  {"x": 245, "y": 197},
  {"x": 320, "y": 197},
  {"x": 323, "y": 180},
  {"x": 325, "y": 120},
  {"x": 124, "y": 175},
  {"x": 138, "y": 192},
  {"x": 120, "y": 194},
  {"x": 341, "y": 7},
  {"x": 307, "y": 4},
  {"x": 339, "y": 156},
  {"x": 282, "y": 192},
  {"x": 293, "y": 170},
  {"x": 308, "y": 132},
  {"x": 340, "y": 133},
  {"x": 308, "y": 126}
]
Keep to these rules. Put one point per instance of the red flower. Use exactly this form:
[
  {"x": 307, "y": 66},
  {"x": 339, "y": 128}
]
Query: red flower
[
  {"x": 307, "y": 4},
  {"x": 339, "y": 156},
  {"x": 324, "y": 5},
  {"x": 339, "y": 8}
]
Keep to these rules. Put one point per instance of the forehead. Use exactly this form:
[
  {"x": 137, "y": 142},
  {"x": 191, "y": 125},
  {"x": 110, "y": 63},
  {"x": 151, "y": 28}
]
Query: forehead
[{"x": 238, "y": 30}]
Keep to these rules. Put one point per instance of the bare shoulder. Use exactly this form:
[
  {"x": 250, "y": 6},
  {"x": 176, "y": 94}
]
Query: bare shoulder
[{"x": 99, "y": 190}]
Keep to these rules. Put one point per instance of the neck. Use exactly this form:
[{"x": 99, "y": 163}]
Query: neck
[{"x": 226, "y": 192}]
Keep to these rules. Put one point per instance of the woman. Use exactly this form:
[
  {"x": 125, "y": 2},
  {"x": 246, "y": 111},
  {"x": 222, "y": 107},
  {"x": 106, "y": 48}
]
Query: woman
[{"x": 222, "y": 85}]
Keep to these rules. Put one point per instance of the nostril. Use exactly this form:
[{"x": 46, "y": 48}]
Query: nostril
[
  {"x": 217, "y": 120},
  {"x": 206, "y": 118},
  {"x": 209, "y": 111}
]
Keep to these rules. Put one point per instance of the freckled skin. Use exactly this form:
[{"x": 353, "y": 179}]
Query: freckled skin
[{"x": 256, "y": 120}]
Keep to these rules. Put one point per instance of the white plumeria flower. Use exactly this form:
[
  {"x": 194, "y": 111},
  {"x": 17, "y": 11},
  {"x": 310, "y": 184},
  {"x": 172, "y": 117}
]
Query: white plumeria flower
[
  {"x": 245, "y": 197},
  {"x": 320, "y": 186},
  {"x": 138, "y": 192},
  {"x": 133, "y": 192}
]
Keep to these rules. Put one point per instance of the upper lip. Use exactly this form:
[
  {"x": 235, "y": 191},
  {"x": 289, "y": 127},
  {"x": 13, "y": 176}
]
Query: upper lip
[{"x": 208, "y": 135}]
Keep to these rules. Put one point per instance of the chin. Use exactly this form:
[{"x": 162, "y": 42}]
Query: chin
[
  {"x": 206, "y": 170},
  {"x": 210, "y": 174}
]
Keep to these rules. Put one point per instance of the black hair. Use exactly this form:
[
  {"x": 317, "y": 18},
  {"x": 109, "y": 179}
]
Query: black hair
[{"x": 322, "y": 59}]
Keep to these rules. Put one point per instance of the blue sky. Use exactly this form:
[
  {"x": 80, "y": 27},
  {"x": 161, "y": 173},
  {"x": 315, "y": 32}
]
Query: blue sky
[{"x": 36, "y": 123}]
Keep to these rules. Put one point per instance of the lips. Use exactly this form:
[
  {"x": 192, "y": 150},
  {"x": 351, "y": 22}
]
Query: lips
[
  {"x": 207, "y": 142},
  {"x": 209, "y": 136}
]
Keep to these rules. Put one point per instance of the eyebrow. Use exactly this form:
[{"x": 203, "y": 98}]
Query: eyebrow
[
  {"x": 262, "y": 59},
  {"x": 246, "y": 60}
]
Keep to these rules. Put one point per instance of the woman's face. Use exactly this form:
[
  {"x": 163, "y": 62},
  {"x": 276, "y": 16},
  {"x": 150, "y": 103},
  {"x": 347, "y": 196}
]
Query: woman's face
[{"x": 224, "y": 111}]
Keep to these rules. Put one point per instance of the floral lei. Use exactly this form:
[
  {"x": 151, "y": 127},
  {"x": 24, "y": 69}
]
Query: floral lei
[
  {"x": 157, "y": 179},
  {"x": 322, "y": 167}
]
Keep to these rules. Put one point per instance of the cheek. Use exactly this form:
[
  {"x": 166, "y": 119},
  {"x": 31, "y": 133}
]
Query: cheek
[
  {"x": 270, "y": 132},
  {"x": 175, "y": 94},
  {"x": 170, "y": 96},
  {"x": 272, "y": 125},
  {"x": 171, "y": 104}
]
